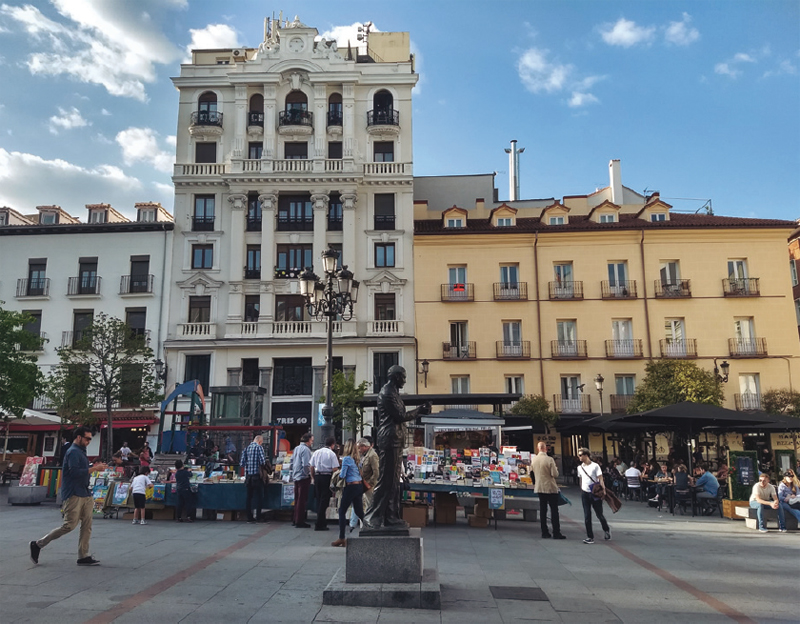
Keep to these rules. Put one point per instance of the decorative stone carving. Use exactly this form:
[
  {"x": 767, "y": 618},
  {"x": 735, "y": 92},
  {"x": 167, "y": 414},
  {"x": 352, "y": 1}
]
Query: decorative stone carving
[
  {"x": 237, "y": 201},
  {"x": 296, "y": 81},
  {"x": 268, "y": 201},
  {"x": 349, "y": 201},
  {"x": 320, "y": 201}
]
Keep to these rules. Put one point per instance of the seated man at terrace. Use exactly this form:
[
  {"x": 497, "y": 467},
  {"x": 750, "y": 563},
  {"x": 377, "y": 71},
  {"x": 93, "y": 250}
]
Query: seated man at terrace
[
  {"x": 661, "y": 478},
  {"x": 633, "y": 476},
  {"x": 764, "y": 497},
  {"x": 707, "y": 481}
]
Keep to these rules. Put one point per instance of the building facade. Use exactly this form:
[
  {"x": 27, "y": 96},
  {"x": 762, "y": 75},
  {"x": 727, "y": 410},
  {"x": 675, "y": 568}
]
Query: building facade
[
  {"x": 282, "y": 152},
  {"x": 794, "y": 271},
  {"x": 541, "y": 296},
  {"x": 63, "y": 272}
]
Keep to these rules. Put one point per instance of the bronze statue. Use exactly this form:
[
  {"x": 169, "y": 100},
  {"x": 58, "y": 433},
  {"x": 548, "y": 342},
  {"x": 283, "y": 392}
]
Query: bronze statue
[{"x": 392, "y": 416}]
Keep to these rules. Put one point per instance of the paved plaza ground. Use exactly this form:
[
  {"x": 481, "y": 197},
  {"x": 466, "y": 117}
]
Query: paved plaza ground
[{"x": 657, "y": 568}]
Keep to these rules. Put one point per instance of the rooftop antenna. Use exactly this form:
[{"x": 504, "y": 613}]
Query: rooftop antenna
[
  {"x": 363, "y": 34},
  {"x": 513, "y": 166}
]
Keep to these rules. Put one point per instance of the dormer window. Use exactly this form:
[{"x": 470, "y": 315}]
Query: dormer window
[
  {"x": 48, "y": 218},
  {"x": 3, "y": 218},
  {"x": 658, "y": 216},
  {"x": 556, "y": 221},
  {"x": 97, "y": 216},
  {"x": 455, "y": 222},
  {"x": 505, "y": 222},
  {"x": 146, "y": 215},
  {"x": 607, "y": 218}
]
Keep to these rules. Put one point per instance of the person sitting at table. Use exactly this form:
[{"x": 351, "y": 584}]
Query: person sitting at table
[
  {"x": 682, "y": 486},
  {"x": 661, "y": 478},
  {"x": 764, "y": 497},
  {"x": 708, "y": 482},
  {"x": 633, "y": 476},
  {"x": 789, "y": 490}
]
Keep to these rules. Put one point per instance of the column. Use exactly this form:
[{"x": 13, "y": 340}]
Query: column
[
  {"x": 269, "y": 203},
  {"x": 320, "y": 202},
  {"x": 349, "y": 199},
  {"x": 238, "y": 204},
  {"x": 320, "y": 126},
  {"x": 240, "y": 128},
  {"x": 348, "y": 121},
  {"x": 234, "y": 375},
  {"x": 319, "y": 391},
  {"x": 270, "y": 122},
  {"x": 265, "y": 381}
]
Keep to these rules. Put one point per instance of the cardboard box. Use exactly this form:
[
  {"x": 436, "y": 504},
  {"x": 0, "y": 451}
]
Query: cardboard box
[
  {"x": 446, "y": 500},
  {"x": 226, "y": 516},
  {"x": 477, "y": 521},
  {"x": 416, "y": 516},
  {"x": 445, "y": 516},
  {"x": 482, "y": 508},
  {"x": 168, "y": 513}
]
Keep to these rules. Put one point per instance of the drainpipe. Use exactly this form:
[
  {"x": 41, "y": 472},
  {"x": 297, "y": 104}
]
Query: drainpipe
[
  {"x": 789, "y": 367},
  {"x": 644, "y": 297},
  {"x": 538, "y": 309}
]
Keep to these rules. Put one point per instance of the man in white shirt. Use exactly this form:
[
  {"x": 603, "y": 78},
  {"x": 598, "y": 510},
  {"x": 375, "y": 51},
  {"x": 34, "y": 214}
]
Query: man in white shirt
[
  {"x": 634, "y": 478},
  {"x": 323, "y": 463},
  {"x": 590, "y": 473}
]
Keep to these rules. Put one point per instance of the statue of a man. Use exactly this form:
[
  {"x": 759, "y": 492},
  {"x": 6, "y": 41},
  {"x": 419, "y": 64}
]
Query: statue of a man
[{"x": 392, "y": 416}]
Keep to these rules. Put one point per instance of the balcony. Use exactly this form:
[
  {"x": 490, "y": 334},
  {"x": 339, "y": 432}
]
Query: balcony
[
  {"x": 292, "y": 165},
  {"x": 288, "y": 329},
  {"x": 747, "y": 402},
  {"x": 294, "y": 224},
  {"x": 520, "y": 350},
  {"x": 83, "y": 285},
  {"x": 33, "y": 287},
  {"x": 747, "y": 347},
  {"x": 334, "y": 118},
  {"x": 70, "y": 338},
  {"x": 203, "y": 224},
  {"x": 568, "y": 349},
  {"x": 335, "y": 223},
  {"x": 619, "y": 289},
  {"x": 295, "y": 121},
  {"x": 42, "y": 336},
  {"x": 624, "y": 349},
  {"x": 201, "y": 331},
  {"x": 42, "y": 403},
  {"x": 384, "y": 222},
  {"x": 206, "y": 123},
  {"x": 510, "y": 291},
  {"x": 673, "y": 290},
  {"x": 252, "y": 274},
  {"x": 255, "y": 118},
  {"x": 387, "y": 168},
  {"x": 458, "y": 292},
  {"x": 136, "y": 284},
  {"x": 383, "y": 117},
  {"x": 740, "y": 287},
  {"x": 678, "y": 349},
  {"x": 462, "y": 351},
  {"x": 253, "y": 224},
  {"x": 201, "y": 169},
  {"x": 384, "y": 328},
  {"x": 578, "y": 405},
  {"x": 565, "y": 291},
  {"x": 620, "y": 402},
  {"x": 287, "y": 273}
]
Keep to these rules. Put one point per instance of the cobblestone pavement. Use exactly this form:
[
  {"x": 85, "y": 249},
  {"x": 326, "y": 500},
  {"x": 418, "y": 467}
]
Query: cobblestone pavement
[{"x": 657, "y": 568}]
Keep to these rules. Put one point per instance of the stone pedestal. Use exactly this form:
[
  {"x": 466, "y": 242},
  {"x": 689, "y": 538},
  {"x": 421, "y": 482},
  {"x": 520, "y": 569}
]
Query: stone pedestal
[
  {"x": 385, "y": 558},
  {"x": 27, "y": 495}
]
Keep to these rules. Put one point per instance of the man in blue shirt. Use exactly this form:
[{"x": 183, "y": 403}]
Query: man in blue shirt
[
  {"x": 707, "y": 481},
  {"x": 76, "y": 499},
  {"x": 252, "y": 459}
]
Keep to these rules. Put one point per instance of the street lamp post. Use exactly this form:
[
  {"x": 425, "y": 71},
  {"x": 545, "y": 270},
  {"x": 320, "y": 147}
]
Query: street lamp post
[
  {"x": 335, "y": 296},
  {"x": 598, "y": 383}
]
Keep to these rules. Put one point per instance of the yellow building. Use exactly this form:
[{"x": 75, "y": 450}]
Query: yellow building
[{"x": 541, "y": 296}]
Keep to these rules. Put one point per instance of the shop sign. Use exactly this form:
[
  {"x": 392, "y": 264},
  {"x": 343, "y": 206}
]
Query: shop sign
[
  {"x": 290, "y": 420},
  {"x": 496, "y": 498},
  {"x": 785, "y": 441}
]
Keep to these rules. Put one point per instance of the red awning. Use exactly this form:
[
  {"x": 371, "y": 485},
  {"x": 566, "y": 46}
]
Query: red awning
[{"x": 130, "y": 423}]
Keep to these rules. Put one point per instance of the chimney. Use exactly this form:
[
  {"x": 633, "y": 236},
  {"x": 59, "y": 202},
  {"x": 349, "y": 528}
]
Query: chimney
[
  {"x": 513, "y": 170},
  {"x": 615, "y": 182}
]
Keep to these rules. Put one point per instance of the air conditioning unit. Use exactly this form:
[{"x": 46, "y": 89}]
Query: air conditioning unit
[{"x": 239, "y": 54}]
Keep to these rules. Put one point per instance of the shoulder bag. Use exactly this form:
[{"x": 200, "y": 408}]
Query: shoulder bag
[{"x": 604, "y": 494}]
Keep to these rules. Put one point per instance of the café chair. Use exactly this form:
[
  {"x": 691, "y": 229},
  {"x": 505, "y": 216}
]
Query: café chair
[
  {"x": 683, "y": 498},
  {"x": 709, "y": 505}
]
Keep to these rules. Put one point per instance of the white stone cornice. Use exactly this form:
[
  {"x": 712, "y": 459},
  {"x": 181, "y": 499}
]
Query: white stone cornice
[
  {"x": 384, "y": 276},
  {"x": 200, "y": 283}
]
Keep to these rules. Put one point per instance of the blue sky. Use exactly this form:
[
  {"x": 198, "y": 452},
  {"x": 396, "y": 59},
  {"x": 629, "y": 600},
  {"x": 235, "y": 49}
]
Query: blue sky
[{"x": 698, "y": 100}]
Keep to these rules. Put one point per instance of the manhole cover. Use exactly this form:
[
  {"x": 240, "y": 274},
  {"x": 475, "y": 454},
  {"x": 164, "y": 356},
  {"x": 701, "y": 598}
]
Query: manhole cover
[{"x": 518, "y": 593}]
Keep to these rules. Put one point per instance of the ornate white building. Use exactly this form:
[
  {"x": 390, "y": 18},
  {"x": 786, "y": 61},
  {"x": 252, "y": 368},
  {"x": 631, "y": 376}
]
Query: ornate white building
[{"x": 283, "y": 151}]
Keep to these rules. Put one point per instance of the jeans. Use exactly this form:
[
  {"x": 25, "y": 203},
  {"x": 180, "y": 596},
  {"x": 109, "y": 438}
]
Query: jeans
[
  {"x": 762, "y": 524},
  {"x": 322, "y": 491},
  {"x": 352, "y": 495},
  {"x": 255, "y": 487},
  {"x": 551, "y": 501},
  {"x": 76, "y": 509},
  {"x": 185, "y": 503},
  {"x": 301, "y": 499},
  {"x": 590, "y": 503},
  {"x": 366, "y": 502},
  {"x": 795, "y": 512}
]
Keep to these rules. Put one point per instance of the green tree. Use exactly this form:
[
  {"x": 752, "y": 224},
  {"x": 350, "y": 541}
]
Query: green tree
[
  {"x": 535, "y": 407},
  {"x": 781, "y": 401},
  {"x": 346, "y": 401},
  {"x": 21, "y": 381},
  {"x": 667, "y": 382},
  {"x": 108, "y": 366}
]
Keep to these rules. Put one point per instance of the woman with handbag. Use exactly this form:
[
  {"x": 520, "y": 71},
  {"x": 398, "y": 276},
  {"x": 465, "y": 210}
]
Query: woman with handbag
[
  {"x": 592, "y": 491},
  {"x": 353, "y": 488}
]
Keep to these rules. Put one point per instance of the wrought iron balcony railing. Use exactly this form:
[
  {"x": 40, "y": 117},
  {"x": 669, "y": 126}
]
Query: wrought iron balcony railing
[
  {"x": 253, "y": 224},
  {"x": 741, "y": 287},
  {"x": 565, "y": 290},
  {"x": 673, "y": 290},
  {"x": 384, "y": 222},
  {"x": 33, "y": 287},
  {"x": 334, "y": 118},
  {"x": 619, "y": 289},
  {"x": 84, "y": 285},
  {"x": 678, "y": 349},
  {"x": 458, "y": 351},
  {"x": 747, "y": 401},
  {"x": 133, "y": 284},
  {"x": 206, "y": 118},
  {"x": 748, "y": 347},
  {"x": 294, "y": 117},
  {"x": 578, "y": 405},
  {"x": 251, "y": 273},
  {"x": 458, "y": 292},
  {"x": 203, "y": 224},
  {"x": 295, "y": 224},
  {"x": 519, "y": 350},
  {"x": 624, "y": 349},
  {"x": 255, "y": 119},
  {"x": 334, "y": 223},
  {"x": 620, "y": 402},
  {"x": 383, "y": 117},
  {"x": 568, "y": 349},
  {"x": 510, "y": 291}
]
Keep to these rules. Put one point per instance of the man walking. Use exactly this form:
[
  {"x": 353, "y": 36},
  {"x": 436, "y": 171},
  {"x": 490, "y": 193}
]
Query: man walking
[
  {"x": 590, "y": 473},
  {"x": 301, "y": 475},
  {"x": 76, "y": 499},
  {"x": 545, "y": 473},
  {"x": 369, "y": 473},
  {"x": 252, "y": 459},
  {"x": 322, "y": 465}
]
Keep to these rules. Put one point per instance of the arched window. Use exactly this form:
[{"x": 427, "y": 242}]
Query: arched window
[
  {"x": 297, "y": 100},
  {"x": 207, "y": 110},
  {"x": 207, "y": 102},
  {"x": 383, "y": 101},
  {"x": 296, "y": 113},
  {"x": 335, "y": 109},
  {"x": 256, "y": 115},
  {"x": 382, "y": 112}
]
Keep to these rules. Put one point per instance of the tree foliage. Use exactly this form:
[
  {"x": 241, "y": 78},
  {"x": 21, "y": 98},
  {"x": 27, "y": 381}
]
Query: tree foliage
[
  {"x": 346, "y": 401},
  {"x": 781, "y": 401},
  {"x": 108, "y": 366},
  {"x": 535, "y": 407},
  {"x": 21, "y": 381},
  {"x": 667, "y": 382}
]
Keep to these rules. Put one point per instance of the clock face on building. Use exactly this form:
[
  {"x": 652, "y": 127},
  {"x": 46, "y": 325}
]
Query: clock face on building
[{"x": 296, "y": 44}]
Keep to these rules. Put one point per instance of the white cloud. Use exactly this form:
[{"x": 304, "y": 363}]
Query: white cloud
[
  {"x": 785, "y": 67},
  {"x": 732, "y": 67},
  {"x": 67, "y": 120},
  {"x": 625, "y": 33},
  {"x": 171, "y": 140},
  {"x": 344, "y": 34},
  {"x": 541, "y": 75},
  {"x": 725, "y": 69},
  {"x": 741, "y": 57},
  {"x": 105, "y": 112},
  {"x": 115, "y": 45},
  {"x": 68, "y": 185},
  {"x": 211, "y": 37},
  {"x": 581, "y": 99},
  {"x": 141, "y": 145},
  {"x": 682, "y": 33}
]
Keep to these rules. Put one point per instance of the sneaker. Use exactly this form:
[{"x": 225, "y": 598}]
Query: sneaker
[
  {"x": 607, "y": 535},
  {"x": 653, "y": 500},
  {"x": 142, "y": 522},
  {"x": 135, "y": 522},
  {"x": 588, "y": 540},
  {"x": 559, "y": 536},
  {"x": 88, "y": 561},
  {"x": 546, "y": 536},
  {"x": 763, "y": 531},
  {"x": 35, "y": 549},
  {"x": 782, "y": 530}
]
